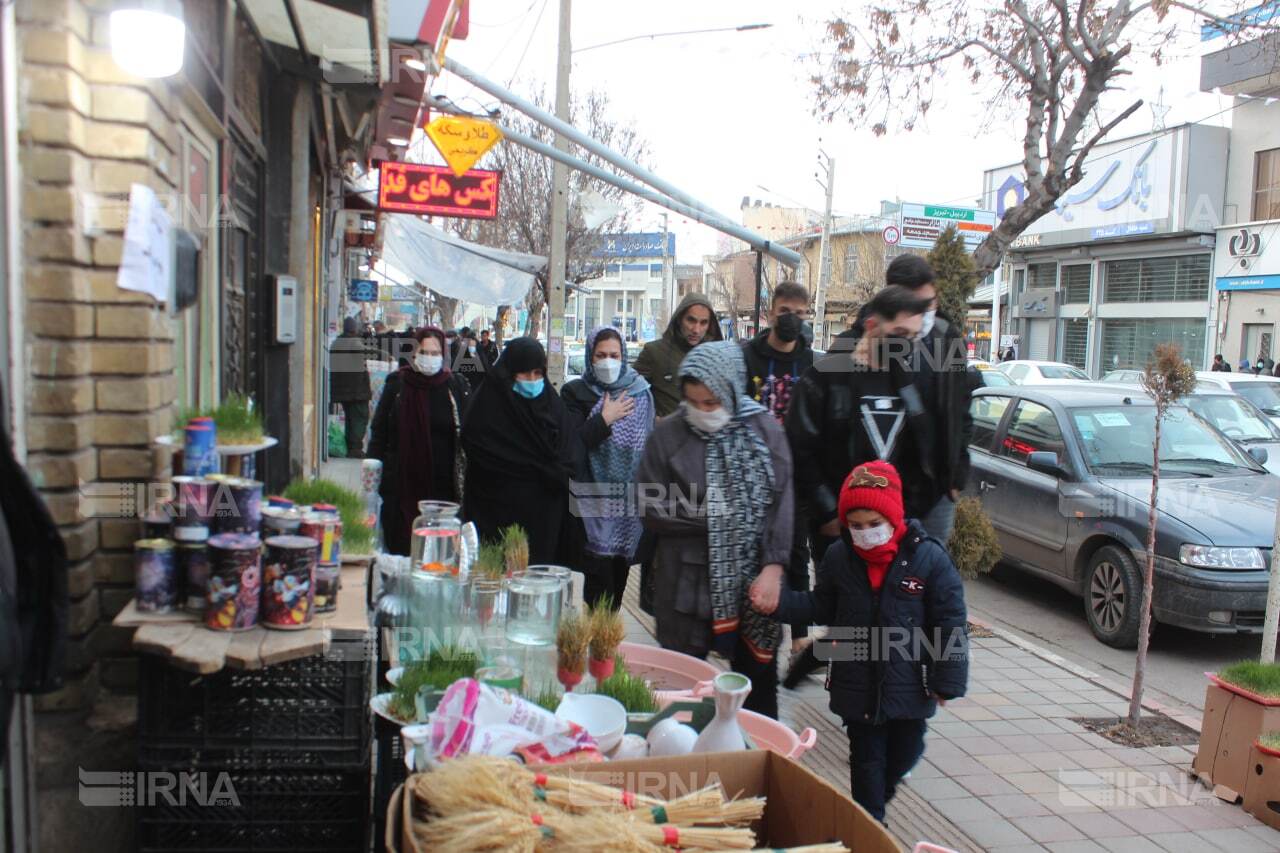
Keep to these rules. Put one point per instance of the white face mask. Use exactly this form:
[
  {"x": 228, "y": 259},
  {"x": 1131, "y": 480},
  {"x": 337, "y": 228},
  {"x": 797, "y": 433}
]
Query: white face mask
[
  {"x": 707, "y": 421},
  {"x": 428, "y": 364},
  {"x": 608, "y": 370},
  {"x": 927, "y": 325},
  {"x": 872, "y": 537}
]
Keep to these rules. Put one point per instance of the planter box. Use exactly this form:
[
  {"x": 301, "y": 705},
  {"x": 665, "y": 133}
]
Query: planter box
[
  {"x": 1262, "y": 788},
  {"x": 1233, "y": 719}
]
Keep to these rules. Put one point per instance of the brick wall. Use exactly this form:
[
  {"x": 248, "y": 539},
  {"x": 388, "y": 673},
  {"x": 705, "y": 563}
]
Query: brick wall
[{"x": 100, "y": 360}]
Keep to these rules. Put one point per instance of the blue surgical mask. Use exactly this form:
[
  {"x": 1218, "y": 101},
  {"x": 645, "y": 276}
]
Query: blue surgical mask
[{"x": 529, "y": 388}]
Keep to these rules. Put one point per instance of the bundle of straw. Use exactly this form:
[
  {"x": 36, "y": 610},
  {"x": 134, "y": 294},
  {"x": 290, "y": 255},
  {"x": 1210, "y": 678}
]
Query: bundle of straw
[
  {"x": 703, "y": 807},
  {"x": 572, "y": 639},
  {"x": 607, "y": 633},
  {"x": 515, "y": 548}
]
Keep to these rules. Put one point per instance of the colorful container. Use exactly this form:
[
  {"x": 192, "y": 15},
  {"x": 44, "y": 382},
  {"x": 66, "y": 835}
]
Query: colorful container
[
  {"x": 200, "y": 449},
  {"x": 158, "y": 523},
  {"x": 370, "y": 474},
  {"x": 192, "y": 499},
  {"x": 193, "y": 575},
  {"x": 239, "y": 506},
  {"x": 324, "y": 525},
  {"x": 328, "y": 582},
  {"x": 278, "y": 502},
  {"x": 279, "y": 521},
  {"x": 156, "y": 575},
  {"x": 235, "y": 582},
  {"x": 288, "y": 581},
  {"x": 191, "y": 534}
]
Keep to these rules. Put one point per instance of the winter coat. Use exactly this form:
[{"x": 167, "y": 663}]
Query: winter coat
[
  {"x": 786, "y": 368},
  {"x": 659, "y": 361},
  {"x": 674, "y": 464},
  {"x": 384, "y": 435},
  {"x": 892, "y": 676},
  {"x": 348, "y": 378}
]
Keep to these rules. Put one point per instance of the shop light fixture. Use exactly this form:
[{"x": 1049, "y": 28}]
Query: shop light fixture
[
  {"x": 148, "y": 37},
  {"x": 398, "y": 141},
  {"x": 415, "y": 64}
]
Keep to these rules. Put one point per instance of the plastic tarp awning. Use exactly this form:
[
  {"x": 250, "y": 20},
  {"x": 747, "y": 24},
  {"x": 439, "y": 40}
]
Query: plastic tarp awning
[{"x": 457, "y": 268}]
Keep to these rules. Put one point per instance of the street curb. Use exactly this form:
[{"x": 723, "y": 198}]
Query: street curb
[{"x": 1093, "y": 678}]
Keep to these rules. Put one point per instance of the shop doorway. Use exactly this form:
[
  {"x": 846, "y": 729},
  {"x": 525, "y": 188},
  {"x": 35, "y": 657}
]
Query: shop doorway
[{"x": 1256, "y": 341}]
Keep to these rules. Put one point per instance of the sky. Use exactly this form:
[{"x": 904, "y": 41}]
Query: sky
[{"x": 728, "y": 113}]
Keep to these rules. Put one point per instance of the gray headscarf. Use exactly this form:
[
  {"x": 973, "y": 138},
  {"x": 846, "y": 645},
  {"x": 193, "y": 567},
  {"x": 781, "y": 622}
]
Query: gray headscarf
[{"x": 720, "y": 366}]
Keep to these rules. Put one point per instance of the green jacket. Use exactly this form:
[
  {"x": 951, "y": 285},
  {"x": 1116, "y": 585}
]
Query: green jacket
[{"x": 659, "y": 361}]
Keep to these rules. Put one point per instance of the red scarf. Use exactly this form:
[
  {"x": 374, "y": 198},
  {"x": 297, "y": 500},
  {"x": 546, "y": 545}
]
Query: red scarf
[{"x": 879, "y": 558}]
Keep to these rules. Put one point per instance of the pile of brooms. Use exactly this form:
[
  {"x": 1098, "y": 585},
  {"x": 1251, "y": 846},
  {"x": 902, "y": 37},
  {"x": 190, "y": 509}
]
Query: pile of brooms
[{"x": 477, "y": 803}]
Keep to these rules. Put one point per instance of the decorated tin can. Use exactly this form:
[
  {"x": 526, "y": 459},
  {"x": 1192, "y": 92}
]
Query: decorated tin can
[
  {"x": 328, "y": 582},
  {"x": 288, "y": 581},
  {"x": 324, "y": 525},
  {"x": 199, "y": 449},
  {"x": 239, "y": 507},
  {"x": 370, "y": 474},
  {"x": 158, "y": 523},
  {"x": 192, "y": 497},
  {"x": 193, "y": 573},
  {"x": 277, "y": 521},
  {"x": 235, "y": 582},
  {"x": 191, "y": 534},
  {"x": 278, "y": 502},
  {"x": 156, "y": 575}
]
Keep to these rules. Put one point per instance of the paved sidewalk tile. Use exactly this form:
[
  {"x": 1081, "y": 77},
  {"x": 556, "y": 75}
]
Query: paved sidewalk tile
[
  {"x": 1084, "y": 846},
  {"x": 1147, "y": 821},
  {"x": 1243, "y": 840},
  {"x": 1186, "y": 842},
  {"x": 1005, "y": 764},
  {"x": 966, "y": 809},
  {"x": 1048, "y": 828},
  {"x": 985, "y": 785},
  {"x": 1034, "y": 782},
  {"x": 1016, "y": 805},
  {"x": 1030, "y": 847},
  {"x": 1051, "y": 762},
  {"x": 1131, "y": 844},
  {"x": 993, "y": 834},
  {"x": 938, "y": 789}
]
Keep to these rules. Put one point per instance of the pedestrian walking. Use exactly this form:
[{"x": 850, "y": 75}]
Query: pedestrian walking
[
  {"x": 717, "y": 491},
  {"x": 519, "y": 442},
  {"x": 898, "y": 591},
  {"x": 416, "y": 436},
  {"x": 612, "y": 407},
  {"x": 349, "y": 384},
  {"x": 488, "y": 348},
  {"x": 693, "y": 323},
  {"x": 1220, "y": 364},
  {"x": 469, "y": 362}
]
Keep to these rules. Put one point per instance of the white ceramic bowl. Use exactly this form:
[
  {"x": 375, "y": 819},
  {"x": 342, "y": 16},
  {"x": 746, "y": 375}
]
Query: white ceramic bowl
[
  {"x": 671, "y": 737},
  {"x": 604, "y": 718}
]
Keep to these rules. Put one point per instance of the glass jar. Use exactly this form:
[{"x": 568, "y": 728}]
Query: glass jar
[
  {"x": 533, "y": 608},
  {"x": 437, "y": 538},
  {"x": 564, "y": 576}
]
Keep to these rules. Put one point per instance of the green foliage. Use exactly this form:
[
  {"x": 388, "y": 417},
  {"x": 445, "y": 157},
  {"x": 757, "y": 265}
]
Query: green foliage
[
  {"x": 974, "y": 544},
  {"x": 490, "y": 562},
  {"x": 1260, "y": 678},
  {"x": 237, "y": 421},
  {"x": 633, "y": 692},
  {"x": 443, "y": 667},
  {"x": 954, "y": 273},
  {"x": 515, "y": 548},
  {"x": 547, "y": 697},
  {"x": 357, "y": 537}
]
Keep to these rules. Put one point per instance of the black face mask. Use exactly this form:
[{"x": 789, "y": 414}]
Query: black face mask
[{"x": 788, "y": 327}]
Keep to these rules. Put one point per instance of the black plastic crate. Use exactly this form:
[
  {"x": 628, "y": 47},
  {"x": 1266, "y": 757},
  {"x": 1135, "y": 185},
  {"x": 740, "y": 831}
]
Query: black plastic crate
[
  {"x": 388, "y": 774},
  {"x": 276, "y": 811},
  {"x": 310, "y": 712}
]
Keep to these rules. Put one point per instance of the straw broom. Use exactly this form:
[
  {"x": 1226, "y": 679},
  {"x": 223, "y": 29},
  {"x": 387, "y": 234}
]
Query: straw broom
[{"x": 461, "y": 786}]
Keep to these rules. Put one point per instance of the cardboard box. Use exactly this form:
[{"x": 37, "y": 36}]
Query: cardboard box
[
  {"x": 1262, "y": 788},
  {"x": 1231, "y": 723},
  {"x": 802, "y": 808}
]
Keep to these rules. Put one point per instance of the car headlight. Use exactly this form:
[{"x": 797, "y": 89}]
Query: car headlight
[{"x": 1212, "y": 557}]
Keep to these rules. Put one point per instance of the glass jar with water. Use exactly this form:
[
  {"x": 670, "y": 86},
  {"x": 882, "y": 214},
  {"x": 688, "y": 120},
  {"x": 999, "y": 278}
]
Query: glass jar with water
[
  {"x": 533, "y": 608},
  {"x": 436, "y": 600}
]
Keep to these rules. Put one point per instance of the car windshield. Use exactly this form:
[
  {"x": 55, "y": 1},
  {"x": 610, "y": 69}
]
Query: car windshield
[
  {"x": 1234, "y": 416},
  {"x": 1049, "y": 371},
  {"x": 1264, "y": 395},
  {"x": 1117, "y": 442},
  {"x": 995, "y": 379}
]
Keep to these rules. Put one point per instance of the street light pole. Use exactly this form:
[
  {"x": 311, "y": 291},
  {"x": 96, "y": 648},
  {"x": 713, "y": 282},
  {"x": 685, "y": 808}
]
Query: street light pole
[
  {"x": 666, "y": 290},
  {"x": 556, "y": 261},
  {"x": 824, "y": 259}
]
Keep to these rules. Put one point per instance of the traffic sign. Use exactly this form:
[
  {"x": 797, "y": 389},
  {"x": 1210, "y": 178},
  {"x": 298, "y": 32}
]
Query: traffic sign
[
  {"x": 892, "y": 234},
  {"x": 922, "y": 223}
]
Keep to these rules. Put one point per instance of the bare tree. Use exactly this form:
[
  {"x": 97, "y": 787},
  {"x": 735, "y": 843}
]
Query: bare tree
[{"x": 1051, "y": 60}]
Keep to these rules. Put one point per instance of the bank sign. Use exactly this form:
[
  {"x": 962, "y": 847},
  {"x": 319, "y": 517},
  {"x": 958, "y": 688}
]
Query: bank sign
[
  {"x": 920, "y": 224},
  {"x": 641, "y": 244}
]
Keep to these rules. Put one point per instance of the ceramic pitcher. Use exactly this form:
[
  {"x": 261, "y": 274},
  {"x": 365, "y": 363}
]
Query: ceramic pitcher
[{"x": 723, "y": 734}]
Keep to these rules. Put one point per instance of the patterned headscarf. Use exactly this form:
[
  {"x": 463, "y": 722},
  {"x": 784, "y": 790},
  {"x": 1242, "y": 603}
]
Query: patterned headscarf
[
  {"x": 628, "y": 380},
  {"x": 740, "y": 489}
]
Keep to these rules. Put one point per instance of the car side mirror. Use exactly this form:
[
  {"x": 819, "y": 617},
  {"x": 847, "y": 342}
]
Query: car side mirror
[
  {"x": 1046, "y": 462},
  {"x": 1259, "y": 455}
]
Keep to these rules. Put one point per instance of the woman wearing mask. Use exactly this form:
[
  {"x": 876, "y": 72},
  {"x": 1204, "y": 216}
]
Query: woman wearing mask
[
  {"x": 519, "y": 444},
  {"x": 415, "y": 435},
  {"x": 717, "y": 492},
  {"x": 612, "y": 408}
]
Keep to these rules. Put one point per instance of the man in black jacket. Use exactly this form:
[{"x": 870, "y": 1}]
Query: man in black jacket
[{"x": 349, "y": 384}]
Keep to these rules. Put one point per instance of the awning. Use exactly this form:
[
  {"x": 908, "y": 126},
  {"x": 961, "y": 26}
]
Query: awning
[{"x": 454, "y": 267}]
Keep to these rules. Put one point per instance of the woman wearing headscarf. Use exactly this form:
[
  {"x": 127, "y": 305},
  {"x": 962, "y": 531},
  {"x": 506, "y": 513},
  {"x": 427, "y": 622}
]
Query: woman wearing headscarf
[
  {"x": 415, "y": 435},
  {"x": 519, "y": 444},
  {"x": 716, "y": 488},
  {"x": 612, "y": 408}
]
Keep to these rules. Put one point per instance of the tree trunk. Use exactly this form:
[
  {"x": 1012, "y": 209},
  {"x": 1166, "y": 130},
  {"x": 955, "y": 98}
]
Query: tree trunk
[
  {"x": 1148, "y": 587},
  {"x": 500, "y": 323}
]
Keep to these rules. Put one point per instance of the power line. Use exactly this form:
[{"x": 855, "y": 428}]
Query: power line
[{"x": 532, "y": 34}]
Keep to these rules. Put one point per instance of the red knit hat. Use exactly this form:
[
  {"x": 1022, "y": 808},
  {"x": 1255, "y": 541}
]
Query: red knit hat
[{"x": 876, "y": 486}]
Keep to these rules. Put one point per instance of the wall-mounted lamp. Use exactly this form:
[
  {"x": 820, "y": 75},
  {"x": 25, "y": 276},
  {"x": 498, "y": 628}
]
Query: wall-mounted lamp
[{"x": 148, "y": 37}]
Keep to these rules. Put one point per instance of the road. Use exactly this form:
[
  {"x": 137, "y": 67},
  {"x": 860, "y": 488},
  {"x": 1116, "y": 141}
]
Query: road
[{"x": 1054, "y": 619}]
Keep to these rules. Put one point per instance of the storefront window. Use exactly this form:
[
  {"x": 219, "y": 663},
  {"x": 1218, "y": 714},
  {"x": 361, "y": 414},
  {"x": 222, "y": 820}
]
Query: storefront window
[
  {"x": 1129, "y": 344},
  {"x": 1266, "y": 184},
  {"x": 1042, "y": 276},
  {"x": 1076, "y": 283},
  {"x": 1075, "y": 343},
  {"x": 1178, "y": 279}
]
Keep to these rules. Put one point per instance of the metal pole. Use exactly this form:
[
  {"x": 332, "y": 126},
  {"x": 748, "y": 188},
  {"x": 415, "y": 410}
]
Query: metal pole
[
  {"x": 824, "y": 263},
  {"x": 659, "y": 321},
  {"x": 541, "y": 116},
  {"x": 1271, "y": 622},
  {"x": 556, "y": 260},
  {"x": 755, "y": 322},
  {"x": 993, "y": 351}
]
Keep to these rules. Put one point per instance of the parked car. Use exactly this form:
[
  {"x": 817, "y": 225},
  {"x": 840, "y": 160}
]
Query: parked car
[
  {"x": 1042, "y": 372},
  {"x": 1126, "y": 377},
  {"x": 1064, "y": 473},
  {"x": 1262, "y": 391},
  {"x": 988, "y": 375}
]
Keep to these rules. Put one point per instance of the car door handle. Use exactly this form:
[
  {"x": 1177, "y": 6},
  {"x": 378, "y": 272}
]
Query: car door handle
[{"x": 984, "y": 486}]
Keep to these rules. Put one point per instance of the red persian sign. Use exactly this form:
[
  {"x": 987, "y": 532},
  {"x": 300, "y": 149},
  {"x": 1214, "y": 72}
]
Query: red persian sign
[{"x": 436, "y": 191}]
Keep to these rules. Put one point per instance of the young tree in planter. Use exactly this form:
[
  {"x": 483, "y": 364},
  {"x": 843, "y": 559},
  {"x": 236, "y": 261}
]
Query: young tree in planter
[
  {"x": 1167, "y": 380},
  {"x": 954, "y": 275}
]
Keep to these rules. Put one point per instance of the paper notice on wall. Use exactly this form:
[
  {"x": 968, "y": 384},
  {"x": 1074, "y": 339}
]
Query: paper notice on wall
[{"x": 146, "y": 264}]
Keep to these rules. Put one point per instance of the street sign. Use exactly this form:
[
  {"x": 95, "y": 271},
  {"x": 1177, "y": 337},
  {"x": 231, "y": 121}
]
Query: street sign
[
  {"x": 436, "y": 191},
  {"x": 462, "y": 140},
  {"x": 362, "y": 290},
  {"x": 922, "y": 223},
  {"x": 892, "y": 234}
]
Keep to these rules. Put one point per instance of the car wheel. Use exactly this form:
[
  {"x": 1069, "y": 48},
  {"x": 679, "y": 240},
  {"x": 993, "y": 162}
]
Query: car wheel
[{"x": 1113, "y": 597}]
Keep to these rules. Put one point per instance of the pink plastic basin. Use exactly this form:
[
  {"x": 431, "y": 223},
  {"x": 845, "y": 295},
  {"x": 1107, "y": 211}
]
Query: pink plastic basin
[
  {"x": 764, "y": 732},
  {"x": 665, "y": 669}
]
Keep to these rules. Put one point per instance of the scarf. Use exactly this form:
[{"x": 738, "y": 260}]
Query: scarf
[
  {"x": 880, "y": 558},
  {"x": 739, "y": 491},
  {"x": 414, "y": 429},
  {"x": 613, "y": 530}
]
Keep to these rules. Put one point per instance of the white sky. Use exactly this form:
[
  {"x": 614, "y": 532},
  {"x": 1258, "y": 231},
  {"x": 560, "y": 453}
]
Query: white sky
[{"x": 726, "y": 112}]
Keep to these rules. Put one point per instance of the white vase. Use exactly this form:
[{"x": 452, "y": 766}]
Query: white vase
[{"x": 723, "y": 734}]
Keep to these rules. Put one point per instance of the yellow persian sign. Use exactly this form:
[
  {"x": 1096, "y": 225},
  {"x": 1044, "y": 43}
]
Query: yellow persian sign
[{"x": 462, "y": 141}]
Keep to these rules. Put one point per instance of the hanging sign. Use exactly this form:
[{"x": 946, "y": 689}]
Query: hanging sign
[
  {"x": 436, "y": 191},
  {"x": 362, "y": 290},
  {"x": 462, "y": 140}
]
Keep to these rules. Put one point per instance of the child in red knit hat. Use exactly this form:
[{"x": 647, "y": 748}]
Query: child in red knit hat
[{"x": 898, "y": 645}]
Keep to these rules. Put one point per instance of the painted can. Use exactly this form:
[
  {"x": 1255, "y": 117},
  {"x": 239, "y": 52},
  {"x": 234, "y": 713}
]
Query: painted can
[
  {"x": 370, "y": 474},
  {"x": 278, "y": 521},
  {"x": 199, "y": 449},
  {"x": 235, "y": 582},
  {"x": 278, "y": 502},
  {"x": 158, "y": 523},
  {"x": 246, "y": 495},
  {"x": 288, "y": 581},
  {"x": 156, "y": 575},
  {"x": 193, "y": 573},
  {"x": 324, "y": 525},
  {"x": 193, "y": 498},
  {"x": 191, "y": 534},
  {"x": 328, "y": 582}
]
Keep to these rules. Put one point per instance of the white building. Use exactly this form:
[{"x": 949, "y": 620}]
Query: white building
[{"x": 630, "y": 293}]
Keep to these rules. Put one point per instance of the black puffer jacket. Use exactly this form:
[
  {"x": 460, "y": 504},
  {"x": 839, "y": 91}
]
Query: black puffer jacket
[{"x": 909, "y": 640}]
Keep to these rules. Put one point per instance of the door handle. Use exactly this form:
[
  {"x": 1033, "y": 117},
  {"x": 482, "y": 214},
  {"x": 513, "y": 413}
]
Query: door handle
[{"x": 984, "y": 486}]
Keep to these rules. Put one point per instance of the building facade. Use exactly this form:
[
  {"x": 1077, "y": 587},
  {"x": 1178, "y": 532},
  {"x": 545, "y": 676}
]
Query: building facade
[
  {"x": 633, "y": 289},
  {"x": 1126, "y": 259}
]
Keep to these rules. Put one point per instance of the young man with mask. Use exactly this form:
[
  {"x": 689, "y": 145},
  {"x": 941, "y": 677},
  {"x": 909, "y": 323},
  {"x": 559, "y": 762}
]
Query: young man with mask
[
  {"x": 778, "y": 356},
  {"x": 693, "y": 323}
]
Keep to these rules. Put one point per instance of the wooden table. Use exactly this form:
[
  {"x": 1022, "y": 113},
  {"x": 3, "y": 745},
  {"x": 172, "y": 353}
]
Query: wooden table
[{"x": 182, "y": 638}]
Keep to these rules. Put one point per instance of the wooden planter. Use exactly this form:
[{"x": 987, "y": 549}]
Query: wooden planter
[
  {"x": 1262, "y": 786},
  {"x": 1233, "y": 719}
]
